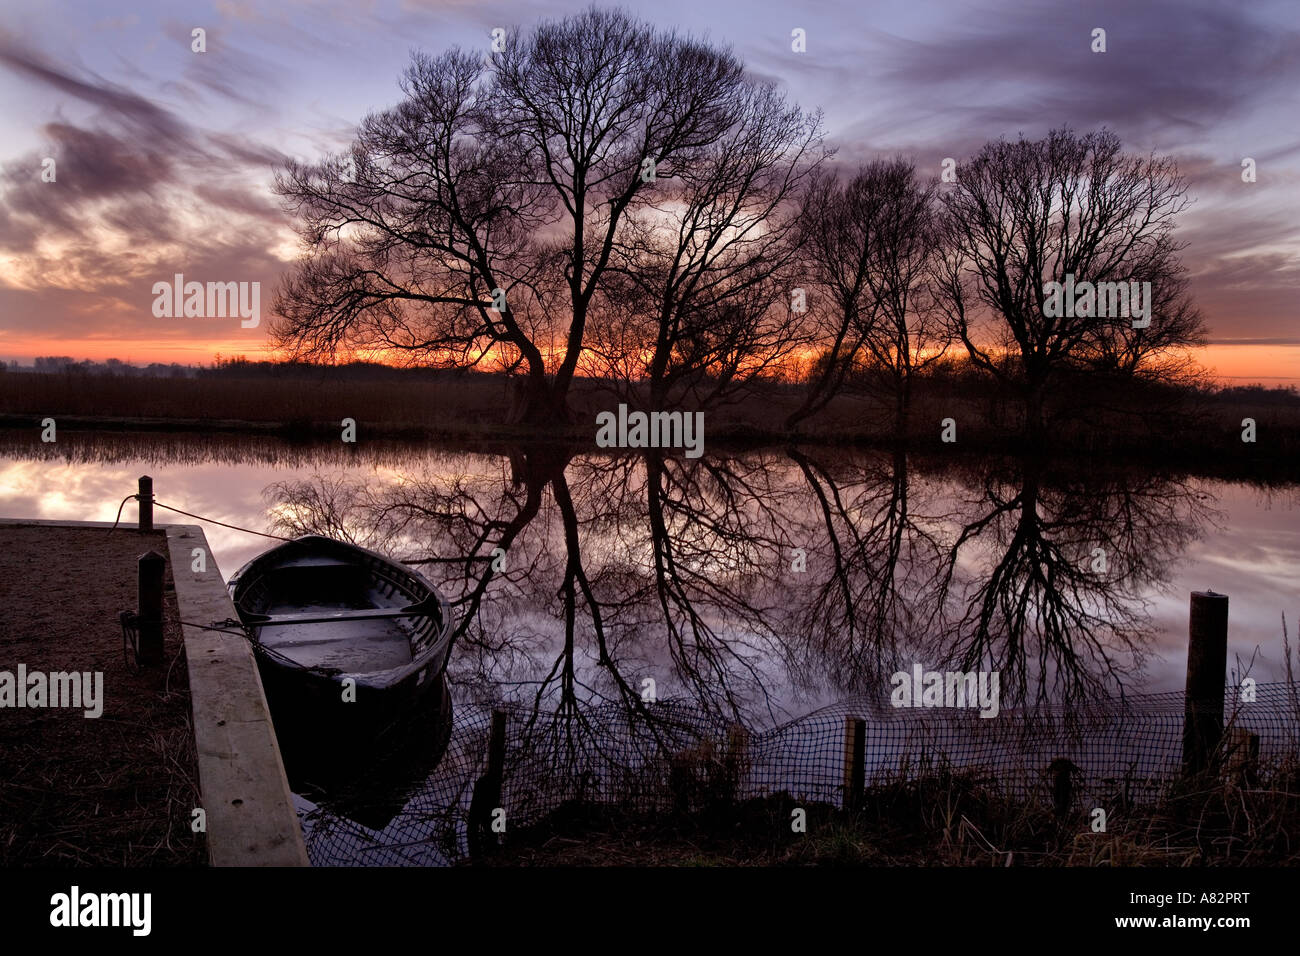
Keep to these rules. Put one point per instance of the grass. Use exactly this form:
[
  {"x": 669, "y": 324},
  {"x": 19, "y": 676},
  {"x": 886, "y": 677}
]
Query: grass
[
  {"x": 944, "y": 819},
  {"x": 112, "y": 791},
  {"x": 1140, "y": 421}
]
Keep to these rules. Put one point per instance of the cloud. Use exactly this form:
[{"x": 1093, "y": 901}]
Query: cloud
[
  {"x": 139, "y": 194},
  {"x": 149, "y": 180},
  {"x": 1204, "y": 83},
  {"x": 142, "y": 117}
]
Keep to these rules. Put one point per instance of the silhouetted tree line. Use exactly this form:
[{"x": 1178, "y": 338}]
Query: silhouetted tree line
[
  {"x": 355, "y": 371},
  {"x": 602, "y": 198},
  {"x": 66, "y": 364}
]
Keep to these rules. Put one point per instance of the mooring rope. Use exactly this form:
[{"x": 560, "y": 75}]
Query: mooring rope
[
  {"x": 119, "y": 512},
  {"x": 217, "y": 626},
  {"x": 159, "y": 504},
  {"x": 234, "y": 527},
  {"x": 229, "y": 625},
  {"x": 258, "y": 646}
]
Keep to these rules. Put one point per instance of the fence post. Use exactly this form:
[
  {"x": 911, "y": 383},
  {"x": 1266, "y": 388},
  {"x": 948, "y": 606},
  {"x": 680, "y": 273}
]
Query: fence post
[
  {"x": 152, "y": 566},
  {"x": 145, "y": 496},
  {"x": 855, "y": 742},
  {"x": 1207, "y": 671},
  {"x": 497, "y": 748},
  {"x": 1241, "y": 756},
  {"x": 487, "y": 790}
]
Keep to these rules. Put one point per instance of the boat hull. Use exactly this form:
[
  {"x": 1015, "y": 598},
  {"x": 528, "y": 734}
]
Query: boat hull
[
  {"x": 347, "y": 641},
  {"x": 305, "y": 703}
]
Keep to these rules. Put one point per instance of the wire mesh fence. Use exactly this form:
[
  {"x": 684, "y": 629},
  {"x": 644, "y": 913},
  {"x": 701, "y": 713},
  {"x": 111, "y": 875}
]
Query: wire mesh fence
[{"x": 676, "y": 757}]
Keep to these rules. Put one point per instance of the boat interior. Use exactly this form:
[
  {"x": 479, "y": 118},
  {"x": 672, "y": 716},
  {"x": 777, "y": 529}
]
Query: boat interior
[{"x": 338, "y": 612}]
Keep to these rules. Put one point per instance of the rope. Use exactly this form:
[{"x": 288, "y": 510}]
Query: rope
[
  {"x": 119, "y": 512},
  {"x": 216, "y": 626},
  {"x": 159, "y": 504},
  {"x": 129, "y": 621},
  {"x": 129, "y": 633},
  {"x": 224, "y": 627},
  {"x": 259, "y": 646},
  {"x": 234, "y": 527}
]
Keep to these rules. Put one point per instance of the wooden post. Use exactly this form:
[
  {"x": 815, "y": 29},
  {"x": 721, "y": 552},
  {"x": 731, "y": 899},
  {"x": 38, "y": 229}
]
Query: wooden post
[
  {"x": 152, "y": 566},
  {"x": 1241, "y": 757},
  {"x": 855, "y": 771},
  {"x": 145, "y": 496},
  {"x": 1207, "y": 664},
  {"x": 487, "y": 791},
  {"x": 496, "y": 767},
  {"x": 735, "y": 762}
]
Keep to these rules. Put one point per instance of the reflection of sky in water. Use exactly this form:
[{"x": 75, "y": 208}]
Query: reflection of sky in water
[
  {"x": 1254, "y": 559},
  {"x": 1253, "y": 556}
]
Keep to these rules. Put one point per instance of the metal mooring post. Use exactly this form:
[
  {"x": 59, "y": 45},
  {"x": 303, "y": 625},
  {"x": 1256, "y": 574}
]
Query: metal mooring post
[
  {"x": 152, "y": 566},
  {"x": 1207, "y": 671},
  {"x": 145, "y": 496}
]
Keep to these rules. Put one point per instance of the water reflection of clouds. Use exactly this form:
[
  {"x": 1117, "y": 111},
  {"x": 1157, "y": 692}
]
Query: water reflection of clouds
[
  {"x": 1252, "y": 555},
  {"x": 1254, "y": 558},
  {"x": 59, "y": 489}
]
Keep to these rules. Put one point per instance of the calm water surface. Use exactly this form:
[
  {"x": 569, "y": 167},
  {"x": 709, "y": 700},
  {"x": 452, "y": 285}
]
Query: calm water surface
[{"x": 762, "y": 584}]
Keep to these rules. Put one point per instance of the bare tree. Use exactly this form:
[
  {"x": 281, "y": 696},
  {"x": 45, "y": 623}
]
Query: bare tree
[
  {"x": 1052, "y": 576},
  {"x": 870, "y": 246},
  {"x": 838, "y": 236},
  {"x": 1027, "y": 213},
  {"x": 910, "y": 332},
  {"x": 700, "y": 303},
  {"x": 1159, "y": 351},
  {"x": 475, "y": 222}
]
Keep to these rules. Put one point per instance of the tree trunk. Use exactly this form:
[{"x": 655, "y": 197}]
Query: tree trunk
[
  {"x": 1035, "y": 413},
  {"x": 534, "y": 400},
  {"x": 903, "y": 407}
]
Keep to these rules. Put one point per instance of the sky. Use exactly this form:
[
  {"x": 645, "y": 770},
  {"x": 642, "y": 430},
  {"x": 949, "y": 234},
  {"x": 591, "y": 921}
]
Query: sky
[{"x": 164, "y": 157}]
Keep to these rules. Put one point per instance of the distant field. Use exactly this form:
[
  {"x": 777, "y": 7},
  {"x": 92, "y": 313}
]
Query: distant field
[{"x": 470, "y": 404}]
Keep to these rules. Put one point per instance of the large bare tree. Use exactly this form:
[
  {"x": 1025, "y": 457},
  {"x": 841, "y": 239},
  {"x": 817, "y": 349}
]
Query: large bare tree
[
  {"x": 474, "y": 223},
  {"x": 837, "y": 229},
  {"x": 870, "y": 244},
  {"x": 910, "y": 332},
  {"x": 1026, "y": 213},
  {"x": 699, "y": 305}
]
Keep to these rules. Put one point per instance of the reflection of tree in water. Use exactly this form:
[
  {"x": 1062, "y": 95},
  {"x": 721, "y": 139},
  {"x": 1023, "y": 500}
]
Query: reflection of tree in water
[
  {"x": 467, "y": 533},
  {"x": 647, "y": 562},
  {"x": 1046, "y": 585},
  {"x": 872, "y": 568},
  {"x": 716, "y": 530},
  {"x": 681, "y": 570}
]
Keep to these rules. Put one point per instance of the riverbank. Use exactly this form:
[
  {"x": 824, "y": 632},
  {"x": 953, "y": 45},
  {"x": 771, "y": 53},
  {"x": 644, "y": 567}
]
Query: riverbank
[
  {"x": 955, "y": 412},
  {"x": 948, "y": 819},
  {"x": 112, "y": 790},
  {"x": 108, "y": 761}
]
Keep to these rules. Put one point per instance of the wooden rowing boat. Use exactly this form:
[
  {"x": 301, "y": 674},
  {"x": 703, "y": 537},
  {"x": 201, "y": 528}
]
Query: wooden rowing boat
[{"x": 347, "y": 641}]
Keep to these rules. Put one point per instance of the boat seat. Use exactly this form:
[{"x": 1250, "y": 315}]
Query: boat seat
[{"x": 320, "y": 616}]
